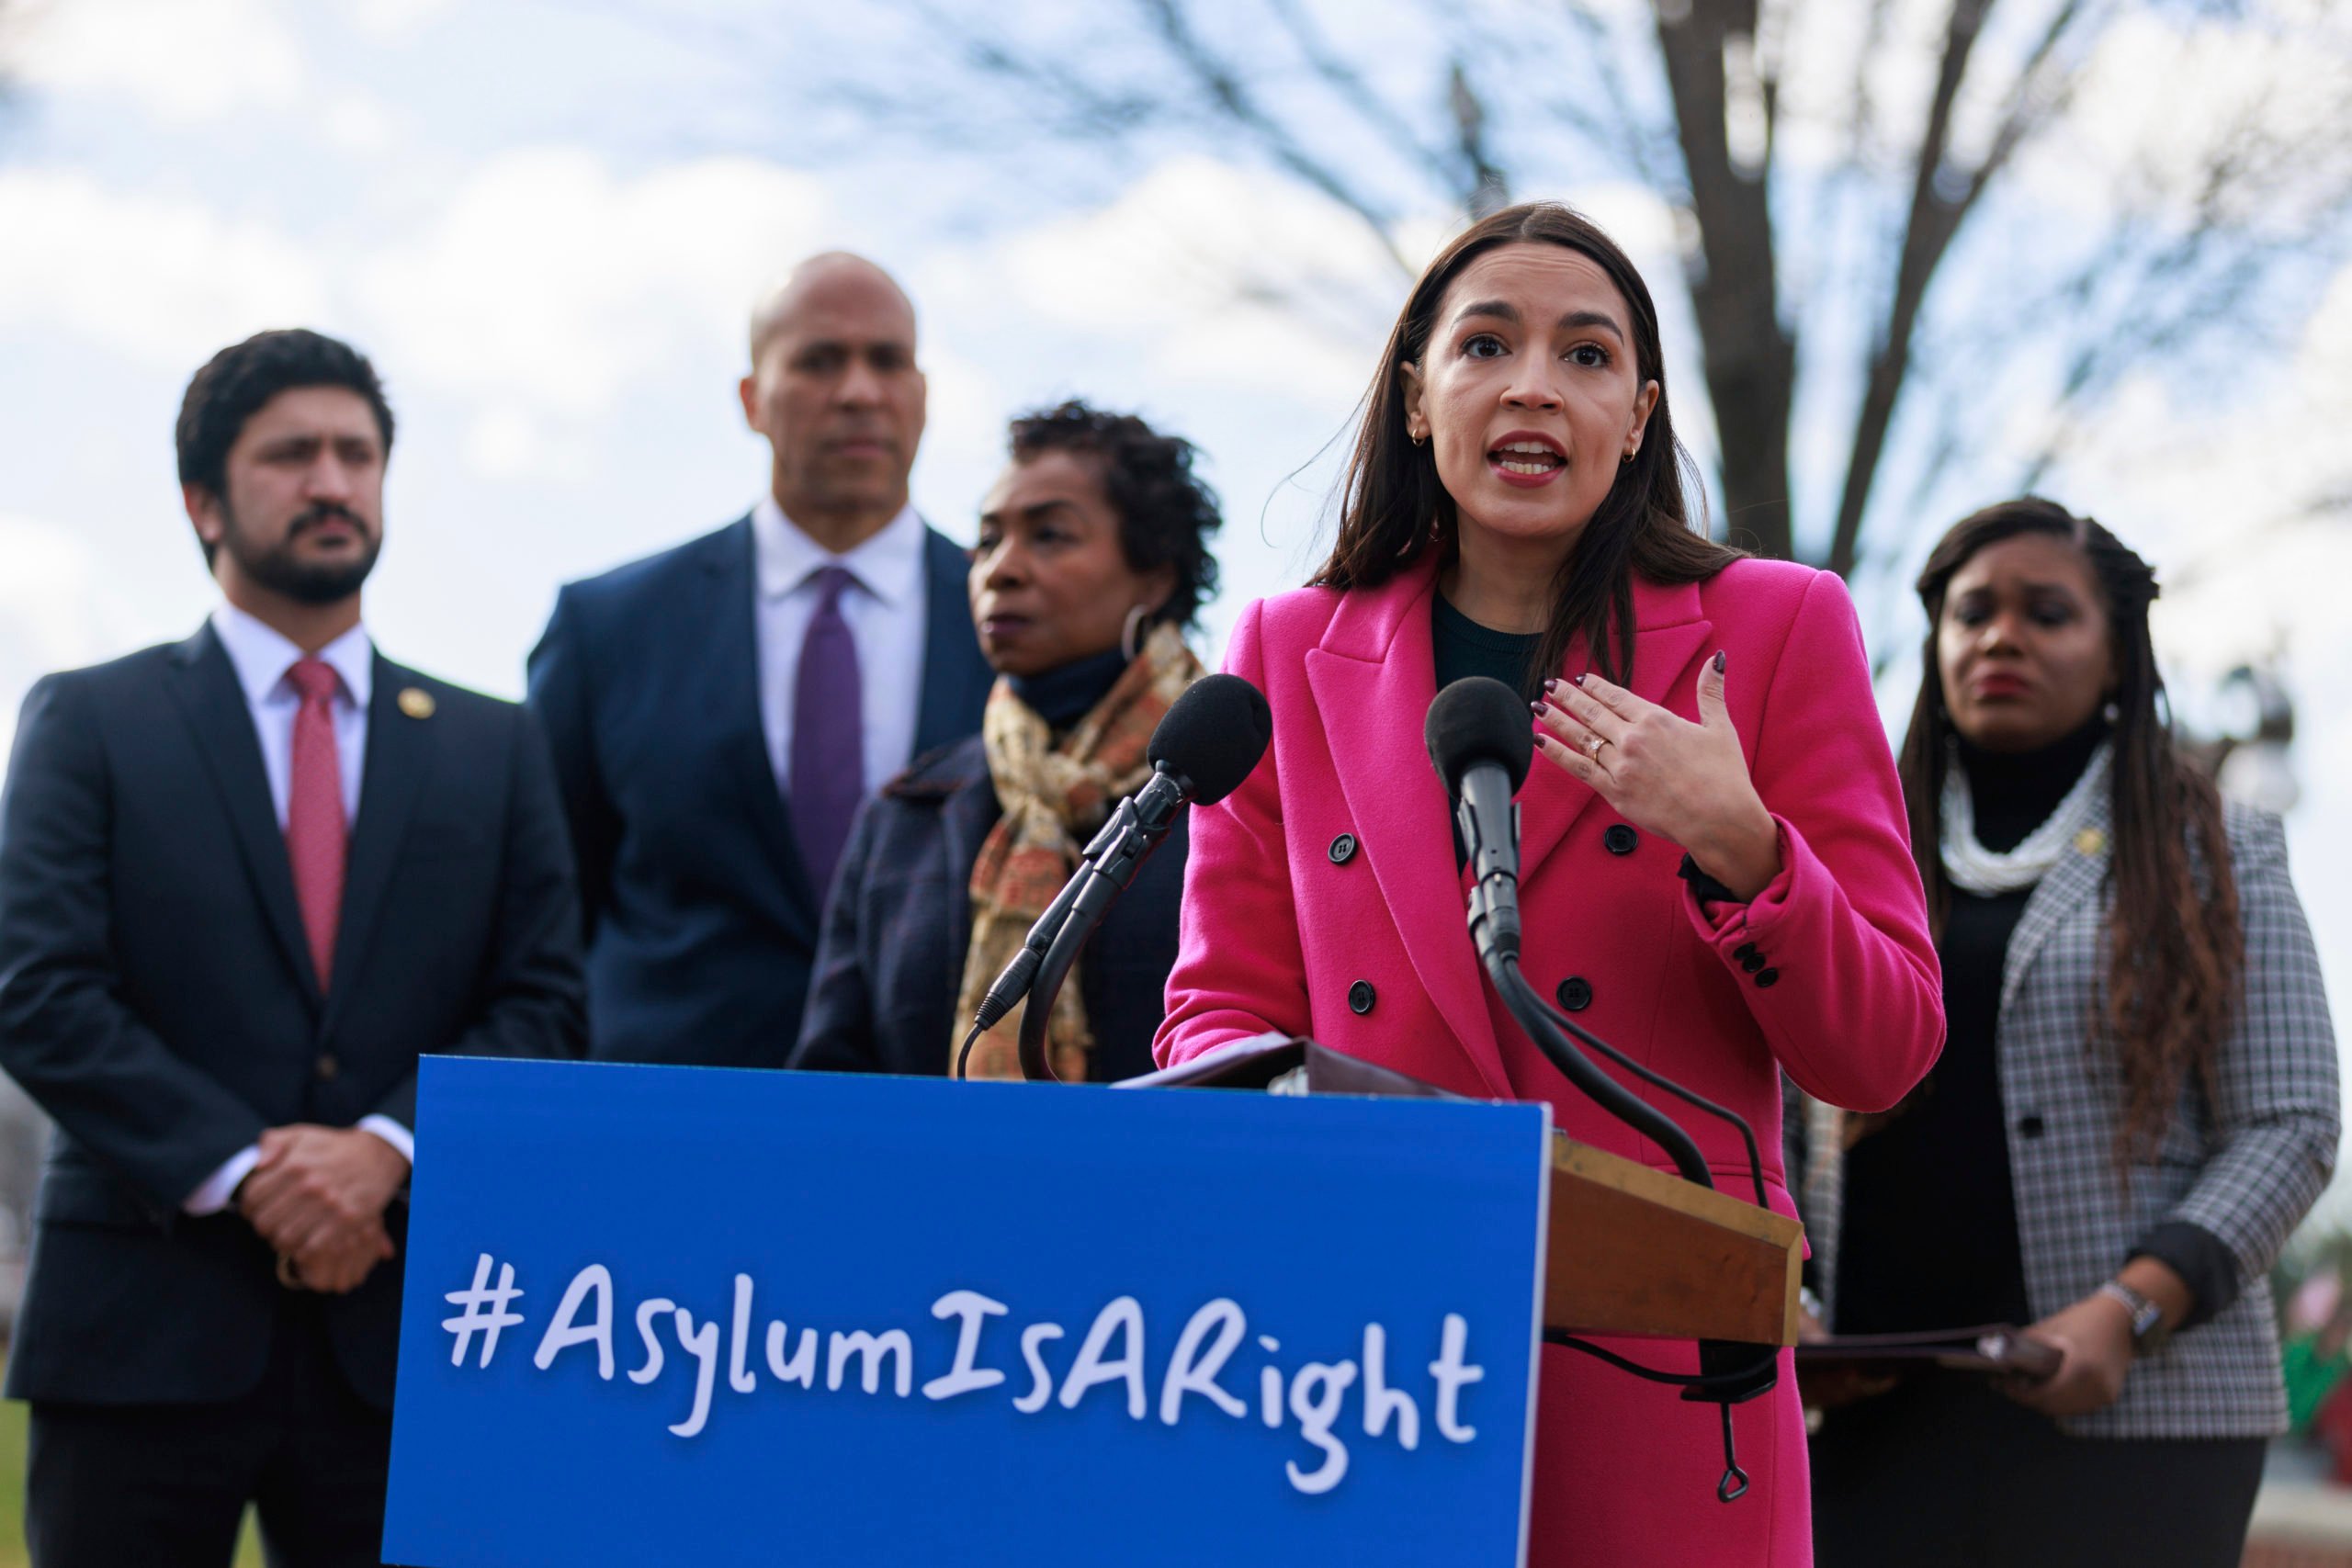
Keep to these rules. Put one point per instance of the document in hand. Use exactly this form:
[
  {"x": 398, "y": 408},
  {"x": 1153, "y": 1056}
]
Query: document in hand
[{"x": 1999, "y": 1348}]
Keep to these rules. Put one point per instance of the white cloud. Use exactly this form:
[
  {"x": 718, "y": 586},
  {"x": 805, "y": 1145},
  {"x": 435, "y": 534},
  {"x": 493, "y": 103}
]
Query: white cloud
[
  {"x": 1224, "y": 273},
  {"x": 393, "y": 18},
  {"x": 166, "y": 281},
  {"x": 183, "y": 61},
  {"x": 548, "y": 286},
  {"x": 52, "y": 611},
  {"x": 358, "y": 123}
]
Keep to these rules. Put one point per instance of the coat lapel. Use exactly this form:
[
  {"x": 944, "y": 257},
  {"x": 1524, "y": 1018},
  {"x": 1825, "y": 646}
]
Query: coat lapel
[
  {"x": 1374, "y": 677},
  {"x": 2080, "y": 873},
  {"x": 205, "y": 684},
  {"x": 955, "y": 679},
  {"x": 1669, "y": 631},
  {"x": 732, "y": 682},
  {"x": 399, "y": 756},
  {"x": 967, "y": 815}
]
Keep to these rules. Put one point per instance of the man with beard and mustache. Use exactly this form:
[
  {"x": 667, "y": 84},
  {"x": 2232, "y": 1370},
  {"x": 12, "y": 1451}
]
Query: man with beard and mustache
[
  {"x": 719, "y": 711},
  {"x": 244, "y": 881}
]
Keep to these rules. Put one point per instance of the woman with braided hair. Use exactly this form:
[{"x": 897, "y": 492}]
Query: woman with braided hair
[{"x": 2136, "y": 1102}]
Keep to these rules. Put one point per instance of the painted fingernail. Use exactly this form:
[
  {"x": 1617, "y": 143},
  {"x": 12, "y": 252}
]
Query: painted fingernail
[
  {"x": 1723, "y": 656},
  {"x": 1552, "y": 685},
  {"x": 1536, "y": 708},
  {"x": 1579, "y": 679}
]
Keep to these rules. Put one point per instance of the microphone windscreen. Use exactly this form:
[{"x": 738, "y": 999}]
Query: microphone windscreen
[
  {"x": 1478, "y": 720},
  {"x": 1213, "y": 735}
]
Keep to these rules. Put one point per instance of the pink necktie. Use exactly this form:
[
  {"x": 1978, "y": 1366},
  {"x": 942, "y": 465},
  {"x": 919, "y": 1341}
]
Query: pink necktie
[{"x": 315, "y": 831}]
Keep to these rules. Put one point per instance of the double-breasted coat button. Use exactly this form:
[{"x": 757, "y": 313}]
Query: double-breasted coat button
[
  {"x": 1575, "y": 993},
  {"x": 2028, "y": 1126},
  {"x": 1360, "y": 996},
  {"x": 1752, "y": 961},
  {"x": 1621, "y": 838},
  {"x": 1767, "y": 978},
  {"x": 326, "y": 1066},
  {"x": 1343, "y": 849},
  {"x": 1743, "y": 952}
]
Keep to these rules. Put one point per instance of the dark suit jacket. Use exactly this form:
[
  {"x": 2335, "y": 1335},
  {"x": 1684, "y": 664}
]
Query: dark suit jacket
[
  {"x": 157, "y": 997},
  {"x": 701, "y": 922},
  {"x": 883, "y": 999}
]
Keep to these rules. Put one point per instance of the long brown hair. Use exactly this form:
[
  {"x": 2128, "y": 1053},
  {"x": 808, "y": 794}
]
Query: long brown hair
[
  {"x": 1394, "y": 509},
  {"x": 2177, "y": 954}
]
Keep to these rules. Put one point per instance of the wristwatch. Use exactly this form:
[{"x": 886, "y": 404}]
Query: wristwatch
[{"x": 2148, "y": 1330}]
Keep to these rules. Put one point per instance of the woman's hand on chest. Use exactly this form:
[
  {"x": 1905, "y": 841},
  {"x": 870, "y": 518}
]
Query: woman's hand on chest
[{"x": 1684, "y": 781}]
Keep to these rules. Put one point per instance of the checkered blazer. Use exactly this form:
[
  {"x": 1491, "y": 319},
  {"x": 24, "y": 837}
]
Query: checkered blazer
[{"x": 2245, "y": 1163}]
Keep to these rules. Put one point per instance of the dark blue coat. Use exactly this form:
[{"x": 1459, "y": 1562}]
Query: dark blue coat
[
  {"x": 701, "y": 921},
  {"x": 901, "y": 918}
]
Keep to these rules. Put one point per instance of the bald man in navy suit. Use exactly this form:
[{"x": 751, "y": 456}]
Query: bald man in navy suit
[{"x": 720, "y": 711}]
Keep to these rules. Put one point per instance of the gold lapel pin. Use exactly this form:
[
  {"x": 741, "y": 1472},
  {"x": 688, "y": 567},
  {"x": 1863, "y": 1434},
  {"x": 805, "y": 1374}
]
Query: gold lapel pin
[
  {"x": 2090, "y": 842},
  {"x": 417, "y": 701}
]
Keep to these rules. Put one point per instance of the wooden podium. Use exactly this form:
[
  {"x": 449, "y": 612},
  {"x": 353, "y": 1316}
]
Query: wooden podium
[{"x": 1632, "y": 1250}]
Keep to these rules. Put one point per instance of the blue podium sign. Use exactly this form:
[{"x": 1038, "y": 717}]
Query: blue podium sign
[{"x": 663, "y": 1314}]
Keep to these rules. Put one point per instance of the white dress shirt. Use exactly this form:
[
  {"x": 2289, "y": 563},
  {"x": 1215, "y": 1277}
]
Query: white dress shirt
[
  {"x": 886, "y": 606},
  {"x": 261, "y": 657}
]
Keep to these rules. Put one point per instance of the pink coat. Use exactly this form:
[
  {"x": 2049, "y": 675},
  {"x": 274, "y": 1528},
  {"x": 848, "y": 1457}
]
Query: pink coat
[{"x": 1369, "y": 952}]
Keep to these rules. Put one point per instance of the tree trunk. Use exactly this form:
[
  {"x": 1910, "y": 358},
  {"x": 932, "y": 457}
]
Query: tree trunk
[{"x": 1750, "y": 357}]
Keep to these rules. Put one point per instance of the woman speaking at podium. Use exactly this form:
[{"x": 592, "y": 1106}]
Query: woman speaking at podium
[{"x": 1716, "y": 874}]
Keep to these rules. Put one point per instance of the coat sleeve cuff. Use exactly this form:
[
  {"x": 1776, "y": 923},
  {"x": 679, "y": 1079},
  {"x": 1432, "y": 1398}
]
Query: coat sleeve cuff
[
  {"x": 2203, "y": 1261},
  {"x": 1719, "y": 914},
  {"x": 403, "y": 1142},
  {"x": 213, "y": 1194}
]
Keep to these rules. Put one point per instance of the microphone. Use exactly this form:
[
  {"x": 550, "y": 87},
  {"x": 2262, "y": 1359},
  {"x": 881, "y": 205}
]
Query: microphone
[
  {"x": 1480, "y": 741},
  {"x": 1203, "y": 745}
]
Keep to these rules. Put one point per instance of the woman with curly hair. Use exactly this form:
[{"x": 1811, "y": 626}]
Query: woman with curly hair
[
  {"x": 2136, "y": 1103},
  {"x": 1092, "y": 558}
]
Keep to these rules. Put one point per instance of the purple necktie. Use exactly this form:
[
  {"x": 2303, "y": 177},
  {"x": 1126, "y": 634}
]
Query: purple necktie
[{"x": 828, "y": 734}]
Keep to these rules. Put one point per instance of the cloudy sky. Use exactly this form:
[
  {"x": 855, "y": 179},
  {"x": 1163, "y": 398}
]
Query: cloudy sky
[{"x": 521, "y": 212}]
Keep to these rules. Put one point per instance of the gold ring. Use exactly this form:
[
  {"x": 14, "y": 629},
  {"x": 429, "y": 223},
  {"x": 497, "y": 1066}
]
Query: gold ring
[{"x": 1593, "y": 751}]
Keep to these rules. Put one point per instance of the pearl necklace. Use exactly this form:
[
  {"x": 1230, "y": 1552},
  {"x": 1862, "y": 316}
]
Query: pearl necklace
[{"x": 1975, "y": 869}]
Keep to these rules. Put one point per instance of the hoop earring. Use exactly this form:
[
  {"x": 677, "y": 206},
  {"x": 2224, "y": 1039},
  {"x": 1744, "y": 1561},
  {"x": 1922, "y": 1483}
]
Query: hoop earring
[
  {"x": 1131, "y": 635},
  {"x": 1420, "y": 440},
  {"x": 2113, "y": 712}
]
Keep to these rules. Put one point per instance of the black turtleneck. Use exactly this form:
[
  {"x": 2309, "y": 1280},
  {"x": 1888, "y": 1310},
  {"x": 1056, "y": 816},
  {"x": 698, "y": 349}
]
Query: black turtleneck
[
  {"x": 1929, "y": 1236},
  {"x": 1068, "y": 693}
]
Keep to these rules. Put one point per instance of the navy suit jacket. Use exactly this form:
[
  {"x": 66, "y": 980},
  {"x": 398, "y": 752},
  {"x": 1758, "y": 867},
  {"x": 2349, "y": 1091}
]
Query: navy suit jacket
[
  {"x": 900, "y": 919},
  {"x": 701, "y": 921},
  {"x": 158, "y": 1000}
]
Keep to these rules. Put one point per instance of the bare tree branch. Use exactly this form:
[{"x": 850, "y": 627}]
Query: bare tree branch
[
  {"x": 1349, "y": 84},
  {"x": 1217, "y": 78}
]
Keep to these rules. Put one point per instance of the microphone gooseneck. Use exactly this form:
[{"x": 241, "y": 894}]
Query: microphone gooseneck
[
  {"x": 1481, "y": 744},
  {"x": 1213, "y": 735},
  {"x": 1203, "y": 745}
]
